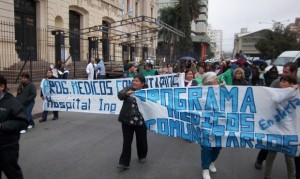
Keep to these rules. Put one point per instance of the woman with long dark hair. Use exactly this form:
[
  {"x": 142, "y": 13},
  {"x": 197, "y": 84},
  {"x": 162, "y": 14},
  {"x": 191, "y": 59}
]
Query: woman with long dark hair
[{"x": 132, "y": 122}]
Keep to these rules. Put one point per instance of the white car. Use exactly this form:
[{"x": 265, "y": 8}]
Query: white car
[{"x": 283, "y": 58}]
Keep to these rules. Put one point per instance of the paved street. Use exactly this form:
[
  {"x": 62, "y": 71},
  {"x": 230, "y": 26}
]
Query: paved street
[{"x": 88, "y": 146}]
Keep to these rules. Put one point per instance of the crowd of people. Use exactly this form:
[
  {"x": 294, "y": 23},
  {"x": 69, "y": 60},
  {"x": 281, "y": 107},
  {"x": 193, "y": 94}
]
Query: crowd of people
[
  {"x": 228, "y": 73},
  {"x": 19, "y": 118}
]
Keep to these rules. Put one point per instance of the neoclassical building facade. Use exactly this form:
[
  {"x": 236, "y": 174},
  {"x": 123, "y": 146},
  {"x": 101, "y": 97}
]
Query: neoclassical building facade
[{"x": 76, "y": 30}]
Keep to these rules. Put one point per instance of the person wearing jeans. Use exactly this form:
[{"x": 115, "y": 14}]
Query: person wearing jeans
[
  {"x": 29, "y": 109},
  {"x": 26, "y": 94},
  {"x": 209, "y": 154}
]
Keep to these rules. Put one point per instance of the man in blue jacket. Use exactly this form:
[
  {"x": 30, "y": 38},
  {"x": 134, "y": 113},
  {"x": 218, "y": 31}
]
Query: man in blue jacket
[{"x": 12, "y": 121}]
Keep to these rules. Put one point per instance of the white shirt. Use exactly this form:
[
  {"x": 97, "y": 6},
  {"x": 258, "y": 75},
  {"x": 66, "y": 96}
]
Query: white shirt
[{"x": 90, "y": 70}]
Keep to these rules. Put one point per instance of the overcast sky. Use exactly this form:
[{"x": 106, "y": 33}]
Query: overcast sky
[{"x": 232, "y": 15}]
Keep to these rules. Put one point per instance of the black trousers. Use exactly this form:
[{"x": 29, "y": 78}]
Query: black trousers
[
  {"x": 297, "y": 166},
  {"x": 141, "y": 142},
  {"x": 262, "y": 155},
  {"x": 9, "y": 162}
]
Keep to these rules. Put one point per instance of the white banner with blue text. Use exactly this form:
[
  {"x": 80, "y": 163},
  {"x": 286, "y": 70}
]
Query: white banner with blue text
[
  {"x": 96, "y": 96},
  {"x": 231, "y": 116}
]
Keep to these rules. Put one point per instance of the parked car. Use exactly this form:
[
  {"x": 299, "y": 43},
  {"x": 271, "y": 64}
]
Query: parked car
[{"x": 285, "y": 57}]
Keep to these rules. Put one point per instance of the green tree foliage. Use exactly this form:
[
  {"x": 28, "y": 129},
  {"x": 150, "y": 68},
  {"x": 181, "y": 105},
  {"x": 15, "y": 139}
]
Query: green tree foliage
[
  {"x": 277, "y": 41},
  {"x": 168, "y": 15},
  {"x": 187, "y": 10},
  {"x": 185, "y": 43}
]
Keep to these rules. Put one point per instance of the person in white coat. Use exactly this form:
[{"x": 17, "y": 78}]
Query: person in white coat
[{"x": 90, "y": 69}]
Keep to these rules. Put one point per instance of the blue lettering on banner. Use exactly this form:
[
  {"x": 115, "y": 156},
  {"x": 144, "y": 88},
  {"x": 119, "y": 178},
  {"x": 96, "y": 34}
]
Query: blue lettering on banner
[
  {"x": 107, "y": 106},
  {"x": 179, "y": 103},
  {"x": 211, "y": 101},
  {"x": 260, "y": 138},
  {"x": 173, "y": 100},
  {"x": 122, "y": 83},
  {"x": 76, "y": 104},
  {"x": 231, "y": 96},
  {"x": 232, "y": 139},
  {"x": 58, "y": 87},
  {"x": 211, "y": 116},
  {"x": 289, "y": 141},
  {"x": 194, "y": 95},
  {"x": 174, "y": 128},
  {"x": 247, "y": 139},
  {"x": 233, "y": 122},
  {"x": 280, "y": 115},
  {"x": 185, "y": 130},
  {"x": 95, "y": 87}
]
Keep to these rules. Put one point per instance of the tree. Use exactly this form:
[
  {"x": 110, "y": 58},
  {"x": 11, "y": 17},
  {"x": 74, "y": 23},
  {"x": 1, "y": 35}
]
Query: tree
[
  {"x": 277, "y": 41},
  {"x": 168, "y": 15},
  {"x": 193, "y": 7}
]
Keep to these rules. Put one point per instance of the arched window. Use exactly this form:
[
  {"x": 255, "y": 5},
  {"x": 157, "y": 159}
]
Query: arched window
[{"x": 25, "y": 29}]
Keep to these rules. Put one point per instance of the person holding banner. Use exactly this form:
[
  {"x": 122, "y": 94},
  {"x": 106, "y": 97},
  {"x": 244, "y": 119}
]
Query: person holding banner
[
  {"x": 132, "y": 122},
  {"x": 285, "y": 82},
  {"x": 209, "y": 154},
  {"x": 289, "y": 69},
  {"x": 49, "y": 75}
]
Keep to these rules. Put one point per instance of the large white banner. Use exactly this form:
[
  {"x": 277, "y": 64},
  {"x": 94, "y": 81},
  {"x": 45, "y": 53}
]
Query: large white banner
[
  {"x": 231, "y": 116},
  {"x": 97, "y": 96},
  {"x": 246, "y": 117}
]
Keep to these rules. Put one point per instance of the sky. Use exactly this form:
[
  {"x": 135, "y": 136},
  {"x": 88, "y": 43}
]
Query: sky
[{"x": 232, "y": 15}]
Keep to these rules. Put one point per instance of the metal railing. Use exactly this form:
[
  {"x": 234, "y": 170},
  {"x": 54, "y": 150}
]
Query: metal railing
[{"x": 16, "y": 59}]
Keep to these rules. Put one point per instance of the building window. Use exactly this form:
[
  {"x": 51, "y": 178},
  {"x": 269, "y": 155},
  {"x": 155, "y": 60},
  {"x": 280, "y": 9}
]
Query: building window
[
  {"x": 136, "y": 9},
  {"x": 74, "y": 24},
  {"x": 105, "y": 42},
  {"x": 25, "y": 29},
  {"x": 129, "y": 8},
  {"x": 151, "y": 12}
]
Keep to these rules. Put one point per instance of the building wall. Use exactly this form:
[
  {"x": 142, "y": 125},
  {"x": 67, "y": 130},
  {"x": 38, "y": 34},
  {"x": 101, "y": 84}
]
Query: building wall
[
  {"x": 54, "y": 14},
  {"x": 216, "y": 37},
  {"x": 201, "y": 22},
  {"x": 247, "y": 42}
]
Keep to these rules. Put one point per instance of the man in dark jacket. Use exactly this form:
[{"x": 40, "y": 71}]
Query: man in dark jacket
[
  {"x": 12, "y": 121},
  {"x": 26, "y": 94}
]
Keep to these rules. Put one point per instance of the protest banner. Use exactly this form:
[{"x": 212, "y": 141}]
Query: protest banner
[
  {"x": 214, "y": 116},
  {"x": 231, "y": 116},
  {"x": 96, "y": 96}
]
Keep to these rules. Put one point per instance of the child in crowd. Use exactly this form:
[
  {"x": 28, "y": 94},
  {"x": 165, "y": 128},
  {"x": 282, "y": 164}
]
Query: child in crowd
[
  {"x": 49, "y": 75},
  {"x": 285, "y": 82}
]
